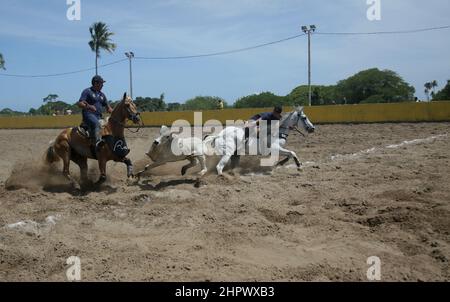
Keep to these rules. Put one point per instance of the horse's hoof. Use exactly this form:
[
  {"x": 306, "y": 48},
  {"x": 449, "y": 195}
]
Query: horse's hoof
[
  {"x": 101, "y": 180},
  {"x": 132, "y": 180},
  {"x": 225, "y": 177},
  {"x": 198, "y": 183},
  {"x": 76, "y": 186}
]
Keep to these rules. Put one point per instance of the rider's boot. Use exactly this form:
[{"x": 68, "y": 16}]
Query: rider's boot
[{"x": 99, "y": 142}]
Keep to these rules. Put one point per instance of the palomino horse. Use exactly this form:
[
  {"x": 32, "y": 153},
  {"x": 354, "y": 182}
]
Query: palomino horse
[{"x": 71, "y": 144}]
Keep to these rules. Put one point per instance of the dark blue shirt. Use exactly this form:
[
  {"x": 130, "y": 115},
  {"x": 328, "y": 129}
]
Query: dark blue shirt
[
  {"x": 266, "y": 116},
  {"x": 96, "y": 98}
]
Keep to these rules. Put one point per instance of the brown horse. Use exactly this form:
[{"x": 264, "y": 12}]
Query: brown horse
[{"x": 71, "y": 144}]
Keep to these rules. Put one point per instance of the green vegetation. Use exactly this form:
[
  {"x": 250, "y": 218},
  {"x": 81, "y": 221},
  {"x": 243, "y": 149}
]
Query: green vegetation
[
  {"x": 54, "y": 106},
  {"x": 203, "y": 103},
  {"x": 430, "y": 87},
  {"x": 10, "y": 112},
  {"x": 444, "y": 94},
  {"x": 374, "y": 85},
  {"x": 2, "y": 62},
  {"x": 262, "y": 100},
  {"x": 174, "y": 107},
  {"x": 151, "y": 104},
  {"x": 101, "y": 40},
  {"x": 368, "y": 86},
  {"x": 50, "y": 98},
  {"x": 320, "y": 95}
]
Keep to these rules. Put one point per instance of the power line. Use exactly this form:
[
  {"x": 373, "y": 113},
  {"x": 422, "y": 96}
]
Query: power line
[
  {"x": 221, "y": 52},
  {"x": 228, "y": 51},
  {"x": 59, "y": 74},
  {"x": 155, "y": 58},
  {"x": 384, "y": 32}
]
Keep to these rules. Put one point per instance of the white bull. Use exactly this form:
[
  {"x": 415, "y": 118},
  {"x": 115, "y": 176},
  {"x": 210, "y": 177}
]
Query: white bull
[{"x": 162, "y": 152}]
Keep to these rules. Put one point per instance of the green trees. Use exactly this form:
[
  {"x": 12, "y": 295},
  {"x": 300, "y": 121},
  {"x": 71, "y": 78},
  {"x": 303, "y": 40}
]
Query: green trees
[
  {"x": 430, "y": 87},
  {"x": 264, "y": 99},
  {"x": 368, "y": 86},
  {"x": 101, "y": 40},
  {"x": 174, "y": 107},
  {"x": 10, "y": 112},
  {"x": 374, "y": 85},
  {"x": 51, "y": 107},
  {"x": 50, "y": 98},
  {"x": 321, "y": 95},
  {"x": 444, "y": 94},
  {"x": 2, "y": 62},
  {"x": 150, "y": 104},
  {"x": 203, "y": 103}
]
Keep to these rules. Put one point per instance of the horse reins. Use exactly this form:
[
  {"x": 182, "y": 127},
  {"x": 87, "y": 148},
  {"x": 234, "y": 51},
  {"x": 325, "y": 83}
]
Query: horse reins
[
  {"x": 298, "y": 130},
  {"x": 125, "y": 126}
]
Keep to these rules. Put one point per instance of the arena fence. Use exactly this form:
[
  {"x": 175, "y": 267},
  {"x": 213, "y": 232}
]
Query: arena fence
[{"x": 366, "y": 113}]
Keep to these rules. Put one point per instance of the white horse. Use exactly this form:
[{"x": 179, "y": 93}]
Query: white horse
[{"x": 232, "y": 141}]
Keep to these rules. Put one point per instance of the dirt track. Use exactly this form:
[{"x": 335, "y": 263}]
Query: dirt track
[{"x": 349, "y": 203}]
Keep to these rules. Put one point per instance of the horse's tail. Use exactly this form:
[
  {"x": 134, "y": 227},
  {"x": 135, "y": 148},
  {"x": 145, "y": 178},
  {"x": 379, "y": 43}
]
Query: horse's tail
[
  {"x": 51, "y": 156},
  {"x": 208, "y": 139}
]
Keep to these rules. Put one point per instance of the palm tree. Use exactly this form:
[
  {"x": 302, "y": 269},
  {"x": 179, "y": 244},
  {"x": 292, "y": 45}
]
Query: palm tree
[
  {"x": 428, "y": 87},
  {"x": 434, "y": 85},
  {"x": 2, "y": 62},
  {"x": 100, "y": 40}
]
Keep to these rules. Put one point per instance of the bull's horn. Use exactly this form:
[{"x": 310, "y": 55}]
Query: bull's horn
[{"x": 164, "y": 130}]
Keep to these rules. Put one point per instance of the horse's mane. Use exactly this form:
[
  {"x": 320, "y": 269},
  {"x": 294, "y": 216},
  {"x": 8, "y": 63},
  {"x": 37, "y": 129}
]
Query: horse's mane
[
  {"x": 285, "y": 119},
  {"x": 117, "y": 106}
]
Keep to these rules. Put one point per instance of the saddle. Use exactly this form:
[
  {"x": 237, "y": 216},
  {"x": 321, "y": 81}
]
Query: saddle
[
  {"x": 117, "y": 145},
  {"x": 83, "y": 129}
]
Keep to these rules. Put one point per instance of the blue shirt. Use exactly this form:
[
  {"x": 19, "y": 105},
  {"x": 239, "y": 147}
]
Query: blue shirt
[
  {"x": 95, "y": 98},
  {"x": 267, "y": 116}
]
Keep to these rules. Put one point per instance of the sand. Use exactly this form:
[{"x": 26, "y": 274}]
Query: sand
[{"x": 365, "y": 190}]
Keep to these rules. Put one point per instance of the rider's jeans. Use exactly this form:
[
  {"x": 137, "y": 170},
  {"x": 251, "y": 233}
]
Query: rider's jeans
[{"x": 92, "y": 121}]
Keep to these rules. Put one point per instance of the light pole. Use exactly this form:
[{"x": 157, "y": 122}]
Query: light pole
[
  {"x": 130, "y": 55},
  {"x": 309, "y": 30}
]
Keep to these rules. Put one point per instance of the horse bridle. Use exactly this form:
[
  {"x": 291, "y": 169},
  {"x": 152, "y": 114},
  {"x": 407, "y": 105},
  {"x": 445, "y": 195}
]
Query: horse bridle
[
  {"x": 296, "y": 128},
  {"x": 131, "y": 117}
]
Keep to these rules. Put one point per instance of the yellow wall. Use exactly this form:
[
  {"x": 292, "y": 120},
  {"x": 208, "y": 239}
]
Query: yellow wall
[{"x": 367, "y": 113}]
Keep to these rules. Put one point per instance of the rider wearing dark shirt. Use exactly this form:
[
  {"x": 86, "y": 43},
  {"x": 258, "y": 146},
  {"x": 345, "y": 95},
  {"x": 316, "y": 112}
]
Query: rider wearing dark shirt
[
  {"x": 92, "y": 101},
  {"x": 275, "y": 115},
  {"x": 253, "y": 123}
]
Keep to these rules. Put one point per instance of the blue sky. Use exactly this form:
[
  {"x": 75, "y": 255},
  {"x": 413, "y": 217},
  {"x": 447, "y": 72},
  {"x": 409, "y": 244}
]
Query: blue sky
[{"x": 37, "y": 38}]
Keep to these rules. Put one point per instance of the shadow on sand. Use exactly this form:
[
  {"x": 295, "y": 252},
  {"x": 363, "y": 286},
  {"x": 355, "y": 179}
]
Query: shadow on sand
[{"x": 146, "y": 185}]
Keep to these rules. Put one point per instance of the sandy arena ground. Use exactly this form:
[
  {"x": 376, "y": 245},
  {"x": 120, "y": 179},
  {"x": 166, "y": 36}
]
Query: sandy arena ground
[{"x": 364, "y": 192}]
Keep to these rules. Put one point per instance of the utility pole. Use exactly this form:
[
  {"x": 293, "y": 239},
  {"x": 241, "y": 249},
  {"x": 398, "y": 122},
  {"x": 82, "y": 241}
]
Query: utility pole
[
  {"x": 309, "y": 30},
  {"x": 130, "y": 56}
]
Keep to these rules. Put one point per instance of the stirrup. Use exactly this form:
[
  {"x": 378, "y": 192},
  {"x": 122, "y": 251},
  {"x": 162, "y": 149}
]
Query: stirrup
[{"x": 99, "y": 144}]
